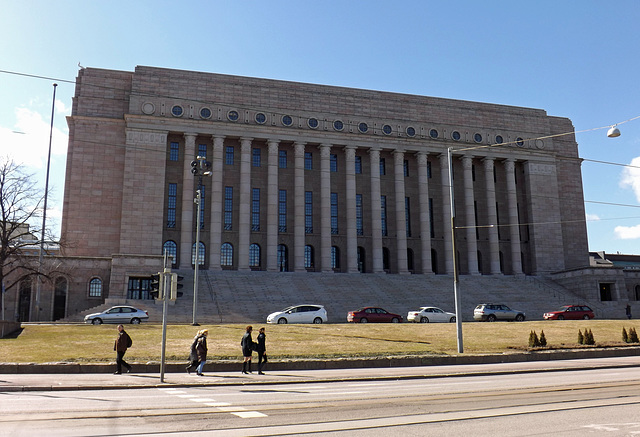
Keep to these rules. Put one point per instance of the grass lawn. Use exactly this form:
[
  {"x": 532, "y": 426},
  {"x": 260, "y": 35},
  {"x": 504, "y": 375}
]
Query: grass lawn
[{"x": 88, "y": 343}]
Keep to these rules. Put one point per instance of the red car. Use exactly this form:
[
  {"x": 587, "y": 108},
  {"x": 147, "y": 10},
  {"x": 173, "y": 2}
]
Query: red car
[
  {"x": 570, "y": 312},
  {"x": 373, "y": 315}
]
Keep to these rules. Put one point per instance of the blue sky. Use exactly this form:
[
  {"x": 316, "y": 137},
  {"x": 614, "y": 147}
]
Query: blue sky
[{"x": 574, "y": 59}]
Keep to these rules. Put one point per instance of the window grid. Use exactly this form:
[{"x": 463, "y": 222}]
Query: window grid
[
  {"x": 308, "y": 161},
  {"x": 308, "y": 212},
  {"x": 202, "y": 204},
  {"x": 254, "y": 255},
  {"x": 171, "y": 205},
  {"x": 359, "y": 221},
  {"x": 383, "y": 167},
  {"x": 282, "y": 211},
  {"x": 229, "y": 155},
  {"x": 358, "y": 164},
  {"x": 201, "y": 254},
  {"x": 228, "y": 208},
  {"x": 174, "y": 151},
  {"x": 405, "y": 167},
  {"x": 333, "y": 163},
  {"x": 308, "y": 257},
  {"x": 95, "y": 288},
  {"x": 257, "y": 157},
  {"x": 428, "y": 169},
  {"x": 171, "y": 249},
  {"x": 255, "y": 210},
  {"x": 282, "y": 159},
  {"x": 383, "y": 215},
  {"x": 202, "y": 150},
  {"x": 407, "y": 215},
  {"x": 432, "y": 230},
  {"x": 334, "y": 213},
  {"x": 226, "y": 255}
]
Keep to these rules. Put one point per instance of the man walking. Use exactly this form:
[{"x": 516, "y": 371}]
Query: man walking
[{"x": 123, "y": 342}]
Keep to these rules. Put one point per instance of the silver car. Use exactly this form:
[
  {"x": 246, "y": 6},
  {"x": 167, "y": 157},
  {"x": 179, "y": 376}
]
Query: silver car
[
  {"x": 299, "y": 314},
  {"x": 490, "y": 312},
  {"x": 118, "y": 314}
]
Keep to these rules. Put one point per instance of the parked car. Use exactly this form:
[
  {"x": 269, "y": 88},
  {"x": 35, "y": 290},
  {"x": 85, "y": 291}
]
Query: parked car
[
  {"x": 373, "y": 315},
  {"x": 570, "y": 312},
  {"x": 430, "y": 314},
  {"x": 118, "y": 314},
  {"x": 299, "y": 314},
  {"x": 490, "y": 312}
]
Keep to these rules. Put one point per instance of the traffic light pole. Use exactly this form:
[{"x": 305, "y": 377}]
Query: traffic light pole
[
  {"x": 166, "y": 287},
  {"x": 198, "y": 201}
]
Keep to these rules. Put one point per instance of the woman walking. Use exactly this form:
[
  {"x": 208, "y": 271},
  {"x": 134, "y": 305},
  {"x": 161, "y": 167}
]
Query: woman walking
[
  {"x": 261, "y": 348},
  {"x": 247, "y": 349},
  {"x": 199, "y": 350}
]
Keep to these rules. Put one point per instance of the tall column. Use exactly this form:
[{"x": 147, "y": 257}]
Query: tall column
[
  {"x": 514, "y": 225},
  {"x": 425, "y": 224},
  {"x": 217, "y": 199},
  {"x": 298, "y": 206},
  {"x": 376, "y": 217},
  {"x": 470, "y": 216},
  {"x": 325, "y": 207},
  {"x": 244, "y": 220},
  {"x": 188, "y": 187},
  {"x": 400, "y": 212},
  {"x": 350, "y": 187},
  {"x": 446, "y": 212},
  {"x": 272, "y": 206},
  {"x": 492, "y": 217}
]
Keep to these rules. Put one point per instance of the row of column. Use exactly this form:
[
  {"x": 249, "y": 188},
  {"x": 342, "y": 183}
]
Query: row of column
[{"x": 350, "y": 202}]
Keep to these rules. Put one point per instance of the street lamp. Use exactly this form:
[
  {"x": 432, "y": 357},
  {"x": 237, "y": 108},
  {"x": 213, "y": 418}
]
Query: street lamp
[{"x": 200, "y": 167}]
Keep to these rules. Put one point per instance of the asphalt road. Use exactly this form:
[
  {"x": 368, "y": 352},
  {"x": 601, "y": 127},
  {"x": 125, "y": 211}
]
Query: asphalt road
[{"x": 597, "y": 402}]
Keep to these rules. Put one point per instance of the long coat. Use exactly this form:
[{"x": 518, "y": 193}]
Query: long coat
[
  {"x": 201, "y": 348},
  {"x": 247, "y": 344}
]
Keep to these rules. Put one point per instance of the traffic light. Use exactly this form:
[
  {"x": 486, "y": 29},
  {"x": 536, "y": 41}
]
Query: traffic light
[
  {"x": 176, "y": 285},
  {"x": 155, "y": 287}
]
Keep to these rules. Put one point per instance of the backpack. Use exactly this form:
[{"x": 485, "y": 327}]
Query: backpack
[{"x": 129, "y": 341}]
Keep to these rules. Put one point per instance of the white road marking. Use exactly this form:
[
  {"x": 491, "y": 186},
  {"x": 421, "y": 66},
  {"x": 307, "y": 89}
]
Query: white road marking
[
  {"x": 202, "y": 400},
  {"x": 217, "y": 404},
  {"x": 249, "y": 414}
]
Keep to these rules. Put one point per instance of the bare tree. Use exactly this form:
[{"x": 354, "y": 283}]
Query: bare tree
[{"x": 20, "y": 210}]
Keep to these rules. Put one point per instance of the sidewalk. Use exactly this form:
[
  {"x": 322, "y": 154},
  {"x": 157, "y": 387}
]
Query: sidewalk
[{"x": 99, "y": 381}]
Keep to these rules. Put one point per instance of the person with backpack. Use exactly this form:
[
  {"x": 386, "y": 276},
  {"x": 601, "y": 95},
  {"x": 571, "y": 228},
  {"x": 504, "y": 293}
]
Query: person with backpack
[
  {"x": 198, "y": 353},
  {"x": 123, "y": 342}
]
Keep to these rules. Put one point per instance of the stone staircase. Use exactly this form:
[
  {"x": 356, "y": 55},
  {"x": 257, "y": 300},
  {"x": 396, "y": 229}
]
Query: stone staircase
[{"x": 248, "y": 297}]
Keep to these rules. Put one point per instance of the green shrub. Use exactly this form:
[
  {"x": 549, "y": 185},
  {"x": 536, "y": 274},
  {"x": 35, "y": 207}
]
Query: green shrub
[
  {"x": 580, "y": 337},
  {"x": 625, "y": 336},
  {"x": 588, "y": 337},
  {"x": 543, "y": 339},
  {"x": 533, "y": 339},
  {"x": 633, "y": 336}
]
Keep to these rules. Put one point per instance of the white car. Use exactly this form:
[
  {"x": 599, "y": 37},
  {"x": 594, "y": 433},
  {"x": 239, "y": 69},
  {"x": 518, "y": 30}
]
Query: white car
[
  {"x": 299, "y": 314},
  {"x": 430, "y": 314},
  {"x": 119, "y": 315}
]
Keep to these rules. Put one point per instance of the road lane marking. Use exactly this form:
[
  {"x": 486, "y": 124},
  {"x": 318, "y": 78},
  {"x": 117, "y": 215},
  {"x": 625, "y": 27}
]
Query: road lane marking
[
  {"x": 249, "y": 414},
  {"x": 217, "y": 404}
]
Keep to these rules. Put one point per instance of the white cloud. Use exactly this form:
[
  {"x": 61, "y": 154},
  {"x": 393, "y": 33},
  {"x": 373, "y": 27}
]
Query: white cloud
[
  {"x": 630, "y": 177},
  {"x": 27, "y": 142},
  {"x": 592, "y": 217},
  {"x": 627, "y": 232}
]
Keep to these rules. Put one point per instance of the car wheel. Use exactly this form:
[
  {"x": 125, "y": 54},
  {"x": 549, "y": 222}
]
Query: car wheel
[
  {"x": 395, "y": 320},
  {"x": 491, "y": 318},
  {"x": 560, "y": 317},
  {"x": 424, "y": 320},
  {"x": 452, "y": 319},
  {"x": 97, "y": 321},
  {"x": 282, "y": 321},
  {"x": 586, "y": 317},
  {"x": 520, "y": 318},
  {"x": 364, "y": 320},
  {"x": 135, "y": 321},
  {"x": 317, "y": 321}
]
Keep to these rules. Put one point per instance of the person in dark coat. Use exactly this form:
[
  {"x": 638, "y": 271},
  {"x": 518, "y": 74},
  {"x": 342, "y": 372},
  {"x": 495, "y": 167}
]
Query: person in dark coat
[
  {"x": 261, "y": 348},
  {"x": 628, "y": 311},
  {"x": 194, "y": 360},
  {"x": 201, "y": 350},
  {"x": 123, "y": 342},
  {"x": 247, "y": 349}
]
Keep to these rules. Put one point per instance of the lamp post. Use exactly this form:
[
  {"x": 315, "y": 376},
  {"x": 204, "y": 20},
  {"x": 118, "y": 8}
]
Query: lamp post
[
  {"x": 200, "y": 167},
  {"x": 44, "y": 210},
  {"x": 455, "y": 256}
]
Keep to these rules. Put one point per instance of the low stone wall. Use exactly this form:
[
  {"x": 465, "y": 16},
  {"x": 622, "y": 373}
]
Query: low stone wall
[{"x": 7, "y": 328}]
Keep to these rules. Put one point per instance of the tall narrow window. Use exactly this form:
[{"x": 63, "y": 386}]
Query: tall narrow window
[
  {"x": 254, "y": 255},
  {"x": 358, "y": 165},
  {"x": 407, "y": 215},
  {"x": 201, "y": 254},
  {"x": 202, "y": 207},
  {"x": 308, "y": 161},
  {"x": 282, "y": 211},
  {"x": 257, "y": 157},
  {"x": 335, "y": 257},
  {"x": 202, "y": 150},
  {"x": 308, "y": 212},
  {"x": 405, "y": 167},
  {"x": 283, "y": 258},
  {"x": 333, "y": 162},
  {"x": 359, "y": 221},
  {"x": 432, "y": 230},
  {"x": 308, "y": 257},
  {"x": 255, "y": 209},
  {"x": 226, "y": 255},
  {"x": 228, "y": 208},
  {"x": 383, "y": 167},
  {"x": 95, "y": 287},
  {"x": 383, "y": 215},
  {"x": 428, "y": 169},
  {"x": 174, "y": 151},
  {"x": 171, "y": 249},
  {"x": 228, "y": 159},
  {"x": 334, "y": 213},
  {"x": 171, "y": 205},
  {"x": 282, "y": 159}
]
